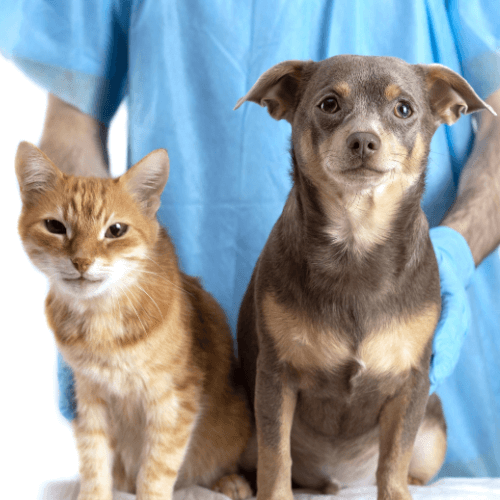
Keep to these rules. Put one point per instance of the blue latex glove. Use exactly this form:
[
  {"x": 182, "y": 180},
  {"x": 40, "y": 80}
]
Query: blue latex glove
[{"x": 456, "y": 266}]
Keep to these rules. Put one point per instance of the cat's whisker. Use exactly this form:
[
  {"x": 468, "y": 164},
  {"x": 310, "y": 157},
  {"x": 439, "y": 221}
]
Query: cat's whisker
[
  {"x": 152, "y": 300},
  {"x": 153, "y": 261},
  {"x": 158, "y": 276},
  {"x": 116, "y": 303},
  {"x": 134, "y": 295},
  {"x": 167, "y": 280},
  {"x": 133, "y": 283},
  {"x": 135, "y": 310},
  {"x": 170, "y": 282}
]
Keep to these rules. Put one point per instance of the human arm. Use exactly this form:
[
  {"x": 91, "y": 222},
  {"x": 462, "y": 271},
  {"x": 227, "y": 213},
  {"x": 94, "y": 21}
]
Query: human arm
[
  {"x": 476, "y": 211},
  {"x": 469, "y": 232},
  {"x": 76, "y": 142},
  {"x": 78, "y": 51}
]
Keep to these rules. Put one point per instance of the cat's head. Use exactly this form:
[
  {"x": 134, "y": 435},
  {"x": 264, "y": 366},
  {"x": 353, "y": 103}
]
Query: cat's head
[{"x": 88, "y": 235}]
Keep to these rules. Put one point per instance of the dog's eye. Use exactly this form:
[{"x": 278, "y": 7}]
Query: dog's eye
[
  {"x": 403, "y": 110},
  {"x": 55, "y": 227},
  {"x": 329, "y": 105},
  {"x": 116, "y": 230}
]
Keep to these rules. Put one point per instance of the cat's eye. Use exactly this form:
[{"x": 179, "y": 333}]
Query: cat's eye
[
  {"x": 55, "y": 227},
  {"x": 403, "y": 110},
  {"x": 116, "y": 230},
  {"x": 329, "y": 105}
]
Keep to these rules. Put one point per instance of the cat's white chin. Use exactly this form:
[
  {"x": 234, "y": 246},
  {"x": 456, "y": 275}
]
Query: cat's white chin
[{"x": 83, "y": 288}]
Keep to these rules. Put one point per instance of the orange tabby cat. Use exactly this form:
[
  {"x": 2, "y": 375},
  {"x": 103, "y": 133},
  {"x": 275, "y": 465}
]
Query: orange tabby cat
[{"x": 150, "y": 349}]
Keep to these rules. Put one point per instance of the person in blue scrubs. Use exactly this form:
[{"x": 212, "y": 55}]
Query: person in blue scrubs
[{"x": 181, "y": 65}]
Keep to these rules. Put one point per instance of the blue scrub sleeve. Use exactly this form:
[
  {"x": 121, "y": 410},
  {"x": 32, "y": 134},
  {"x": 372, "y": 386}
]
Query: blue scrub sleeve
[
  {"x": 76, "y": 50},
  {"x": 67, "y": 400},
  {"x": 476, "y": 26},
  {"x": 456, "y": 267}
]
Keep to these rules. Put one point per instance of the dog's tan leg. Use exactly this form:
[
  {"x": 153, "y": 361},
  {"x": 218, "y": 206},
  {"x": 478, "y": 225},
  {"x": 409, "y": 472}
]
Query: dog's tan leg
[
  {"x": 275, "y": 402},
  {"x": 430, "y": 444},
  {"x": 399, "y": 421}
]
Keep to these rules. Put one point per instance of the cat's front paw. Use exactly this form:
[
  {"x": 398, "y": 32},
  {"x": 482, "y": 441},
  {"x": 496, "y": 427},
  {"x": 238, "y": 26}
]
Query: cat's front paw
[
  {"x": 233, "y": 486},
  {"x": 95, "y": 495}
]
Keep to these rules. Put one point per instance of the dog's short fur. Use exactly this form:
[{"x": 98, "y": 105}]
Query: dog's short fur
[{"x": 335, "y": 330}]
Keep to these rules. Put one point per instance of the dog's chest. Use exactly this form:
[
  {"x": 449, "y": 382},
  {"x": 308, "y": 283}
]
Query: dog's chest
[
  {"x": 343, "y": 403},
  {"x": 392, "y": 349}
]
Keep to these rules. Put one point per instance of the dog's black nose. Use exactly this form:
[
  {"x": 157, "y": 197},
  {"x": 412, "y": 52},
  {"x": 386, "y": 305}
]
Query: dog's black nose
[{"x": 363, "y": 144}]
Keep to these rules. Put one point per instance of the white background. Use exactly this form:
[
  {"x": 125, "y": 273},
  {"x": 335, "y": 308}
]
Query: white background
[{"x": 36, "y": 442}]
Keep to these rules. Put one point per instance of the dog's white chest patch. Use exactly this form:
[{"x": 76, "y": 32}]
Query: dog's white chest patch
[{"x": 400, "y": 345}]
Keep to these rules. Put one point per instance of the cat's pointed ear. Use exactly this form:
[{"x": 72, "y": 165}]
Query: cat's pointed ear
[
  {"x": 147, "y": 179},
  {"x": 450, "y": 95},
  {"x": 35, "y": 173}
]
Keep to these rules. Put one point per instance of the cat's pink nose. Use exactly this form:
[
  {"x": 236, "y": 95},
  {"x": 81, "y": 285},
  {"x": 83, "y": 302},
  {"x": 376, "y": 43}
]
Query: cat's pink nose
[{"x": 81, "y": 263}]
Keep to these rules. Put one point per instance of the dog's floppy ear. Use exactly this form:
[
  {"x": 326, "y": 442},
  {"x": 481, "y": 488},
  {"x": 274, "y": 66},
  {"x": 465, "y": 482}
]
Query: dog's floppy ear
[
  {"x": 450, "y": 95},
  {"x": 278, "y": 88}
]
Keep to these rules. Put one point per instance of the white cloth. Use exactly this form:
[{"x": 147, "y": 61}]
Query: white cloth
[{"x": 444, "y": 489}]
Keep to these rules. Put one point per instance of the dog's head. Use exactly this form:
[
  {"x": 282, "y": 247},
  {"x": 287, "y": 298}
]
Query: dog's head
[{"x": 360, "y": 122}]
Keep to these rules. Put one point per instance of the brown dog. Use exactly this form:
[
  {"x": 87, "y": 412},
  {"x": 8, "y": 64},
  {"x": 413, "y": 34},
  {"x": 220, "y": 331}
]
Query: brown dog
[{"x": 335, "y": 330}]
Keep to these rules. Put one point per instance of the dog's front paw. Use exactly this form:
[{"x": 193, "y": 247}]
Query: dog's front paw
[
  {"x": 402, "y": 493},
  {"x": 233, "y": 486},
  {"x": 415, "y": 481},
  {"x": 332, "y": 488},
  {"x": 284, "y": 495}
]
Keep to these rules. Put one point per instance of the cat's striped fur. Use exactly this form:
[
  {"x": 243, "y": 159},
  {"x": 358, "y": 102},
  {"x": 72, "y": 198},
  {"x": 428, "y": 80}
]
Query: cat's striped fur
[{"x": 157, "y": 404}]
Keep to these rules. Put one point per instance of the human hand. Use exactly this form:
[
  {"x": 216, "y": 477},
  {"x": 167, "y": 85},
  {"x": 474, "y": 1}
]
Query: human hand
[{"x": 456, "y": 267}]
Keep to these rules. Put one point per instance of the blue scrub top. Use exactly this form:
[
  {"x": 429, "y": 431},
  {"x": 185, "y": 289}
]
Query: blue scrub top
[{"x": 182, "y": 64}]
